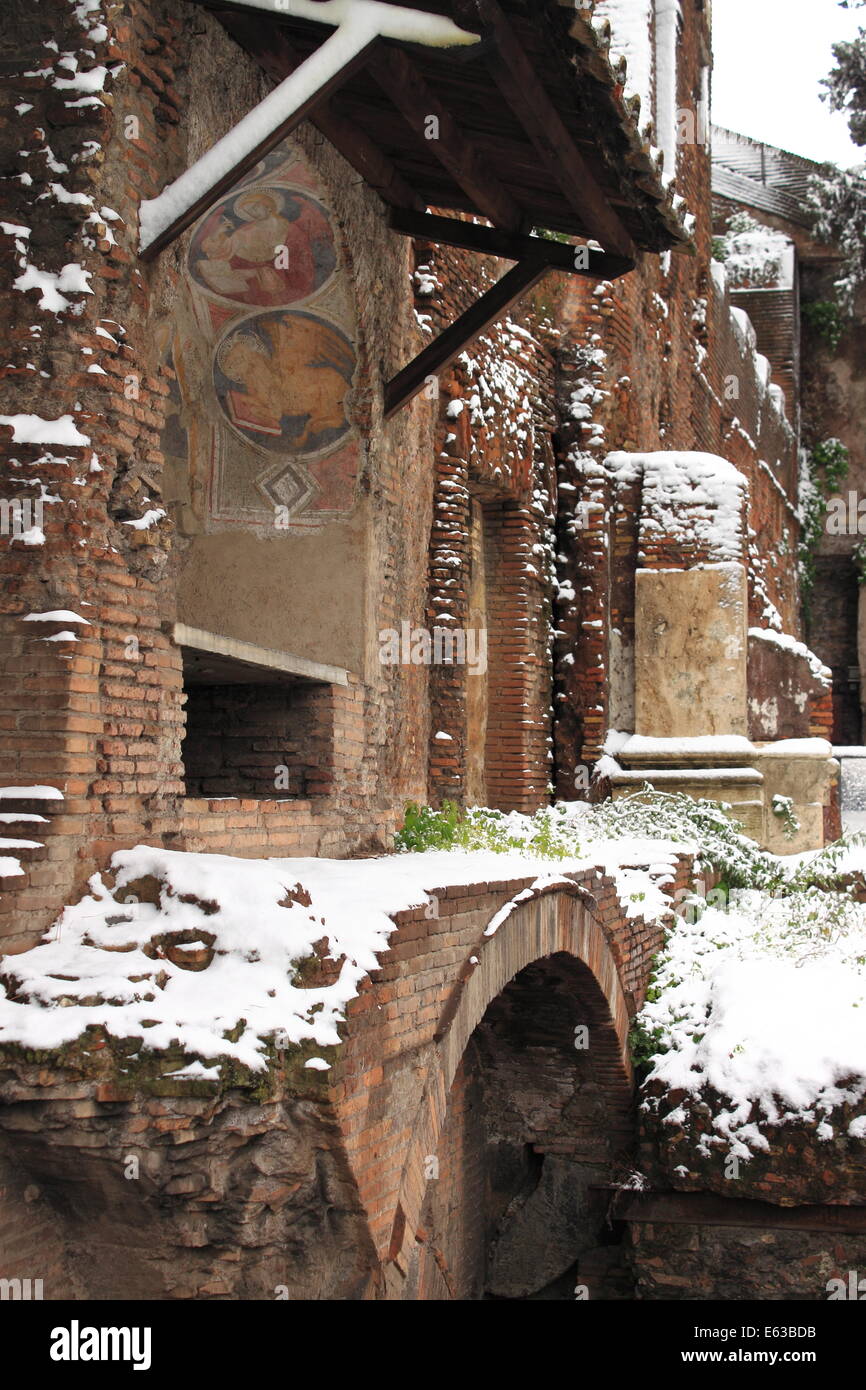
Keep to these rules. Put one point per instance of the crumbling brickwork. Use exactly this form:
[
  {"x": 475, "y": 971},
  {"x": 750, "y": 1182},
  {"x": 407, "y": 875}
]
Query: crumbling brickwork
[
  {"x": 221, "y": 630},
  {"x": 325, "y": 1172}
]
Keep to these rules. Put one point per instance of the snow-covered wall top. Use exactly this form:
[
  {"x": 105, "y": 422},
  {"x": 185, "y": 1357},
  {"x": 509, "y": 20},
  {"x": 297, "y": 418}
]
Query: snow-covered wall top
[
  {"x": 697, "y": 500},
  {"x": 631, "y": 36},
  {"x": 668, "y": 16}
]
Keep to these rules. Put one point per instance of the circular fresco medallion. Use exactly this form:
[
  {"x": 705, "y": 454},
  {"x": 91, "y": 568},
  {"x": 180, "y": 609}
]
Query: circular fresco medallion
[
  {"x": 281, "y": 380},
  {"x": 266, "y": 245}
]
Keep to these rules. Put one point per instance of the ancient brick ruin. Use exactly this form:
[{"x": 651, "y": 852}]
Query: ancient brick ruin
[{"x": 220, "y": 622}]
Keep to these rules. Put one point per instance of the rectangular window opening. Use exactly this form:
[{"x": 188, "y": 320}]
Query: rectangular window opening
[{"x": 255, "y": 731}]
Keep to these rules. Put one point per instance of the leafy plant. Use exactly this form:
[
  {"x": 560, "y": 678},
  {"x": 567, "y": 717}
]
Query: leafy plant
[
  {"x": 824, "y": 317},
  {"x": 821, "y": 471},
  {"x": 832, "y": 458},
  {"x": 783, "y": 807},
  {"x": 547, "y": 235},
  {"x": 837, "y": 196},
  {"x": 424, "y": 828},
  {"x": 644, "y": 1044}
]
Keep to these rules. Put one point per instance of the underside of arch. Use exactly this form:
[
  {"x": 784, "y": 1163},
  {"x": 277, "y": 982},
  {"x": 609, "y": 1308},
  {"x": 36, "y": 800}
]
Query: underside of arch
[{"x": 546, "y": 974}]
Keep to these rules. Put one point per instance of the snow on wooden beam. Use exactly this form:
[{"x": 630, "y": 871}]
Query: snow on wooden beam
[
  {"x": 399, "y": 22},
  {"x": 360, "y": 25},
  {"x": 278, "y": 57},
  {"x": 163, "y": 219}
]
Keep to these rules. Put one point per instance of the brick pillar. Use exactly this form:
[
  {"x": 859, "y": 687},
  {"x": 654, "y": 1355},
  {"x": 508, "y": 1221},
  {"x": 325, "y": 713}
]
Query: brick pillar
[{"x": 96, "y": 715}]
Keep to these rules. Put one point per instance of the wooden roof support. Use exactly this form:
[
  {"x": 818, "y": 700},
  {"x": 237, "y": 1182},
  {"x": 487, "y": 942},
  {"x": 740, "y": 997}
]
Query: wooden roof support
[
  {"x": 277, "y": 57},
  {"x": 359, "y": 29},
  {"x": 403, "y": 82},
  {"x": 447, "y": 347},
  {"x": 359, "y": 150},
  {"x": 534, "y": 256},
  {"x": 522, "y": 88},
  {"x": 226, "y": 181},
  {"x": 511, "y": 246}
]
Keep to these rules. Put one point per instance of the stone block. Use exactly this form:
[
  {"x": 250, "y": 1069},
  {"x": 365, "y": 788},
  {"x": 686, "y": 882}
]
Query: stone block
[{"x": 691, "y": 652}]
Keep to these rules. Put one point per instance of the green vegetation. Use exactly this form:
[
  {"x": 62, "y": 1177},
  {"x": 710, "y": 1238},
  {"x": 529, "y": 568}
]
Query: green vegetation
[
  {"x": 569, "y": 830},
  {"x": 783, "y": 807},
  {"x": 545, "y": 834},
  {"x": 822, "y": 470},
  {"x": 824, "y": 317},
  {"x": 831, "y": 458}
]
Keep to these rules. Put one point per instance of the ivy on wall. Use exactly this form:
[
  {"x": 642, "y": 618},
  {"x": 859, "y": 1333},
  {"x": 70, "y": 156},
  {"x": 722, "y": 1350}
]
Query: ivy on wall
[{"x": 822, "y": 470}]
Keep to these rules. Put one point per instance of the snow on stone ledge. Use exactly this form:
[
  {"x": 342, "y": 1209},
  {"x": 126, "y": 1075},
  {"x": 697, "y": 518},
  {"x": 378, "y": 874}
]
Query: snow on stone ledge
[
  {"x": 797, "y": 748},
  {"x": 689, "y": 496},
  {"x": 821, "y": 672},
  {"x": 703, "y": 745}
]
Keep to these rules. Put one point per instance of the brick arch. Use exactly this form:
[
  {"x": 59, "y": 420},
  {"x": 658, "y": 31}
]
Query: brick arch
[
  {"x": 537, "y": 1125},
  {"x": 552, "y": 922}
]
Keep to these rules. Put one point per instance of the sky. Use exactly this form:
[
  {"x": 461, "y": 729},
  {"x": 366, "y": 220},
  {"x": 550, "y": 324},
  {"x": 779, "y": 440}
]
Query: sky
[{"x": 769, "y": 58}]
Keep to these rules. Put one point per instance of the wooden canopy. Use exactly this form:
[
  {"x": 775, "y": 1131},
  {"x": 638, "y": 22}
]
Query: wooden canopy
[{"x": 526, "y": 129}]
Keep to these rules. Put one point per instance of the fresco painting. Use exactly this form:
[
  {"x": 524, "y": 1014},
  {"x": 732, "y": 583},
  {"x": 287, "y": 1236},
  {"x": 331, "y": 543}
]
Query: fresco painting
[
  {"x": 264, "y": 246},
  {"x": 269, "y": 296},
  {"x": 281, "y": 380}
]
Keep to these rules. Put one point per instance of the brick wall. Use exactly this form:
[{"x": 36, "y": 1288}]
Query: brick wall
[
  {"x": 102, "y": 718},
  {"x": 256, "y": 741},
  {"x": 31, "y": 1244},
  {"x": 517, "y": 432},
  {"x": 495, "y": 445},
  {"x": 655, "y": 361}
]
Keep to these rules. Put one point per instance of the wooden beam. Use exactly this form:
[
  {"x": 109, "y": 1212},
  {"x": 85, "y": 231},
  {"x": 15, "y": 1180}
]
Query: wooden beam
[
  {"x": 512, "y": 246},
  {"x": 367, "y": 159},
  {"x": 522, "y": 88},
  {"x": 233, "y": 175},
  {"x": 278, "y": 57},
  {"x": 442, "y": 352},
  {"x": 403, "y": 81},
  {"x": 710, "y": 1209}
]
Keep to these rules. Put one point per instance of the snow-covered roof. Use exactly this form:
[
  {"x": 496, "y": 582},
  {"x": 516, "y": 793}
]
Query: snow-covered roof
[
  {"x": 762, "y": 176},
  {"x": 573, "y": 76}
]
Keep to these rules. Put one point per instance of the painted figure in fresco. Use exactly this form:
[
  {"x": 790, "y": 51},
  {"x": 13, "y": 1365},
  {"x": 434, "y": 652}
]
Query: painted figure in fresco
[
  {"x": 265, "y": 246},
  {"x": 282, "y": 379}
]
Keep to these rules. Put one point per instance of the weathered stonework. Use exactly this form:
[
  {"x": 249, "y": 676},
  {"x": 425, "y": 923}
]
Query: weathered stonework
[
  {"x": 321, "y": 1181},
  {"x": 213, "y": 476},
  {"x": 690, "y": 658}
]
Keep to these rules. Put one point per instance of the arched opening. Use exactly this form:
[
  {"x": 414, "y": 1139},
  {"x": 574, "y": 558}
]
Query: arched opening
[{"x": 539, "y": 1123}]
